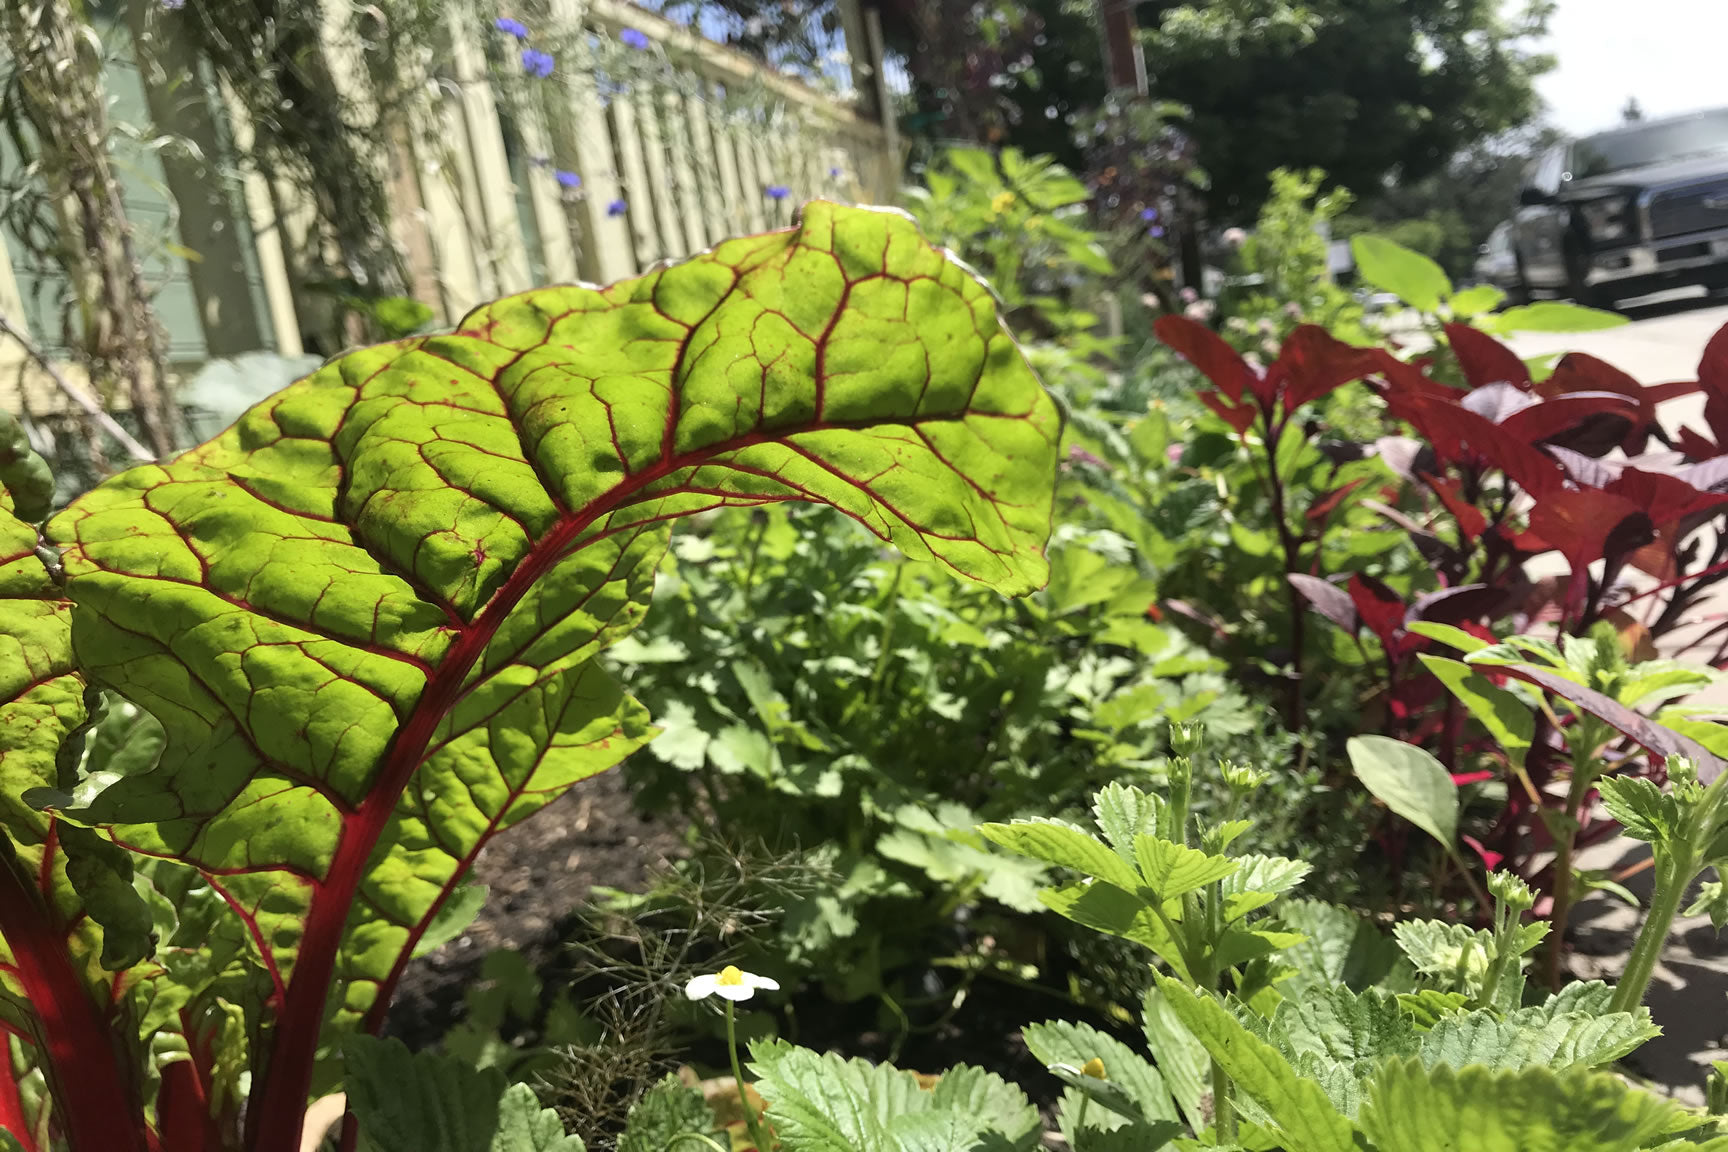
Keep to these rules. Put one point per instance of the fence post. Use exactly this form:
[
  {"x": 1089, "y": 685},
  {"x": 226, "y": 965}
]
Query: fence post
[
  {"x": 485, "y": 163},
  {"x": 637, "y": 186},
  {"x": 177, "y": 105},
  {"x": 266, "y": 233}
]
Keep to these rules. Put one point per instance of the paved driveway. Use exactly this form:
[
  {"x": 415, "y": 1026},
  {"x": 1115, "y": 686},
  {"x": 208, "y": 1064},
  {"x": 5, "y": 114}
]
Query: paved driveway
[{"x": 1662, "y": 343}]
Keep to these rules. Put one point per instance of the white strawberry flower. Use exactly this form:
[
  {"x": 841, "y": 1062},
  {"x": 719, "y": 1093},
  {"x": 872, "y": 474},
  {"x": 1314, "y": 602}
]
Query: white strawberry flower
[{"x": 730, "y": 983}]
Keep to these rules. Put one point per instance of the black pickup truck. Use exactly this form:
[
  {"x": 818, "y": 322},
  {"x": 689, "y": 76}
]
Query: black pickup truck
[{"x": 1627, "y": 212}]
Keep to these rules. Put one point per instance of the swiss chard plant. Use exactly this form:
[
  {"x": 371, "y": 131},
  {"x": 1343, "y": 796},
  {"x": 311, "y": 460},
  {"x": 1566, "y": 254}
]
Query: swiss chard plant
[{"x": 367, "y": 618}]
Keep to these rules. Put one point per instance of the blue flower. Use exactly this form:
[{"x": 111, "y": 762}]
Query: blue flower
[
  {"x": 505, "y": 25},
  {"x": 617, "y": 208},
  {"x": 778, "y": 191},
  {"x": 566, "y": 179},
  {"x": 173, "y": 5},
  {"x": 1148, "y": 214},
  {"x": 634, "y": 39},
  {"x": 537, "y": 63},
  {"x": 1155, "y": 231},
  {"x": 834, "y": 173}
]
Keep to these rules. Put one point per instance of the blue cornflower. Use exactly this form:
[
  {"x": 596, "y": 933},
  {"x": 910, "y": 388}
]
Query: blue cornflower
[
  {"x": 1155, "y": 231},
  {"x": 566, "y": 179},
  {"x": 537, "y": 63},
  {"x": 778, "y": 191},
  {"x": 634, "y": 39},
  {"x": 1148, "y": 214},
  {"x": 509, "y": 27},
  {"x": 617, "y": 208}
]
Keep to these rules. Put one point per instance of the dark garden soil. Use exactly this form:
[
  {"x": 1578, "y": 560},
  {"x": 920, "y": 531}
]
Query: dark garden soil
[{"x": 540, "y": 874}]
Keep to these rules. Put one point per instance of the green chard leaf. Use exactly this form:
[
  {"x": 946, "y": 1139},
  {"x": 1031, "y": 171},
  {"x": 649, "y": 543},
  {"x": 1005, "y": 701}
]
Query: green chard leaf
[
  {"x": 72, "y": 926},
  {"x": 367, "y": 616}
]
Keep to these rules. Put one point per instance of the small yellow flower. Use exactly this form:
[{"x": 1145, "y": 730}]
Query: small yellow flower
[
  {"x": 1094, "y": 1068},
  {"x": 1001, "y": 202},
  {"x": 730, "y": 983}
]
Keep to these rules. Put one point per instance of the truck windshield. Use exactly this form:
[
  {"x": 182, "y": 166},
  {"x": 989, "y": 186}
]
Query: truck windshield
[{"x": 1634, "y": 147}]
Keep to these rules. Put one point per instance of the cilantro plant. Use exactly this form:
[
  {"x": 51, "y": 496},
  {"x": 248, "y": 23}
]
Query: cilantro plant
[
  {"x": 862, "y": 713},
  {"x": 367, "y": 619}
]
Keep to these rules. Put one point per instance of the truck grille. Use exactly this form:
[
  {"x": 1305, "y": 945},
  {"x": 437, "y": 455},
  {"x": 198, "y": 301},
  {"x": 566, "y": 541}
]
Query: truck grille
[{"x": 1697, "y": 208}]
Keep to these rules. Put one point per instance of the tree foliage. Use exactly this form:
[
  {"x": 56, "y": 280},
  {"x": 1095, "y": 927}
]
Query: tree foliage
[{"x": 1365, "y": 89}]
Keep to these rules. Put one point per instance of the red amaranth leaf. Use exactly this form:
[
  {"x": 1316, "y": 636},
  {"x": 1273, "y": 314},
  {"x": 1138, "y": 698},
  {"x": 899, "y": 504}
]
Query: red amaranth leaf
[
  {"x": 1207, "y": 352},
  {"x": 1328, "y": 599},
  {"x": 1485, "y": 360},
  {"x": 1314, "y": 363},
  {"x": 1713, "y": 381},
  {"x": 1379, "y": 608},
  {"x": 368, "y": 615},
  {"x": 1657, "y": 738}
]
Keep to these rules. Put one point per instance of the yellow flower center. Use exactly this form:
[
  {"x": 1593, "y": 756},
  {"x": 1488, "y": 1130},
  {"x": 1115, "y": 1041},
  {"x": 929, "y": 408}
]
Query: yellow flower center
[
  {"x": 730, "y": 977},
  {"x": 1094, "y": 1068}
]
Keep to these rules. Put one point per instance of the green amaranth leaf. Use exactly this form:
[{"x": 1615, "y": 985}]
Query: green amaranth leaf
[
  {"x": 367, "y": 615},
  {"x": 1508, "y": 719},
  {"x": 1409, "y": 781},
  {"x": 1415, "y": 1109},
  {"x": 1410, "y": 276}
]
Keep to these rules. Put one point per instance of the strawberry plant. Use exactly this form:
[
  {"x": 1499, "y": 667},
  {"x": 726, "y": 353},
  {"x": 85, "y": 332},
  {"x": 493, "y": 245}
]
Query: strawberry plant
[
  {"x": 1275, "y": 1022},
  {"x": 367, "y": 619}
]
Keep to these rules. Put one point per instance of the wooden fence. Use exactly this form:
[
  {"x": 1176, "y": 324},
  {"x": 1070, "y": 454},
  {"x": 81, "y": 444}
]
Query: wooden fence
[{"x": 646, "y": 142}]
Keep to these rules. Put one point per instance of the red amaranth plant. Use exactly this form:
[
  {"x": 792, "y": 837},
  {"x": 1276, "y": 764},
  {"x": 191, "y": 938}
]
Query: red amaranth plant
[
  {"x": 1499, "y": 472},
  {"x": 367, "y": 618}
]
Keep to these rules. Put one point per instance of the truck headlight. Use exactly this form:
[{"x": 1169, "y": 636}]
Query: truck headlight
[{"x": 1607, "y": 219}]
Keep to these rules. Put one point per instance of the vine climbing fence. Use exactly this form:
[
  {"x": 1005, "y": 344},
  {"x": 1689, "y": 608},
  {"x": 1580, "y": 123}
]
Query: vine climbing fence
[{"x": 439, "y": 154}]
